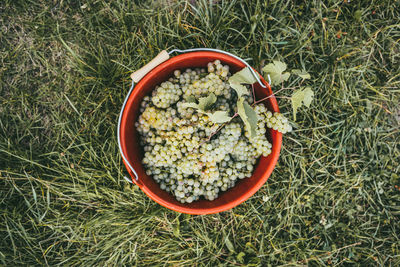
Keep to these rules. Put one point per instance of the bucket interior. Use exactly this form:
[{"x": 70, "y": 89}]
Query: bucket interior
[{"x": 131, "y": 146}]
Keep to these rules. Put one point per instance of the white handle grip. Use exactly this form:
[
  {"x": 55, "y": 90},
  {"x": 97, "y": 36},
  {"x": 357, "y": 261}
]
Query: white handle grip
[{"x": 140, "y": 73}]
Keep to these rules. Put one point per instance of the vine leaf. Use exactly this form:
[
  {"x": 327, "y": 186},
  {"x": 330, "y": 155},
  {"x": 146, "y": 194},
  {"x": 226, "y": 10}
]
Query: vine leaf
[
  {"x": 240, "y": 89},
  {"x": 205, "y": 103},
  {"x": 302, "y": 74},
  {"x": 244, "y": 76},
  {"x": 219, "y": 116},
  {"x": 252, "y": 118},
  {"x": 191, "y": 99},
  {"x": 308, "y": 96},
  {"x": 275, "y": 71},
  {"x": 190, "y": 105},
  {"x": 248, "y": 115},
  {"x": 301, "y": 97}
]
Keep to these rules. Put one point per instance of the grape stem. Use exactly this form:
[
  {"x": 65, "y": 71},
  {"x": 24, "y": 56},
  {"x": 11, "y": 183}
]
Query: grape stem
[
  {"x": 272, "y": 95},
  {"x": 219, "y": 128}
]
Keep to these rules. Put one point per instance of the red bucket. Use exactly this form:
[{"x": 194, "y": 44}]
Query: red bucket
[{"x": 133, "y": 153}]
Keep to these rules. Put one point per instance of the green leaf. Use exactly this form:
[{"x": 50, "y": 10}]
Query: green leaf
[
  {"x": 191, "y": 99},
  {"x": 275, "y": 71},
  {"x": 219, "y": 116},
  {"x": 297, "y": 99},
  {"x": 301, "y": 97},
  {"x": 302, "y": 74},
  {"x": 240, "y": 89},
  {"x": 240, "y": 256},
  {"x": 308, "y": 96},
  {"x": 242, "y": 113},
  {"x": 252, "y": 118},
  {"x": 190, "y": 105},
  {"x": 205, "y": 103},
  {"x": 244, "y": 76},
  {"x": 248, "y": 115}
]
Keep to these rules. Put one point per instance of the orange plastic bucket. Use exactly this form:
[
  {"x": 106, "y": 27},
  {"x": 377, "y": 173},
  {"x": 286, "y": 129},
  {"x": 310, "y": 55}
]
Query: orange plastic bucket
[{"x": 133, "y": 153}]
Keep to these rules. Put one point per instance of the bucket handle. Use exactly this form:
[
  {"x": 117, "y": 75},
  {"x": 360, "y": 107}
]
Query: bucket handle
[
  {"x": 140, "y": 73},
  {"x": 160, "y": 58},
  {"x": 119, "y": 133}
]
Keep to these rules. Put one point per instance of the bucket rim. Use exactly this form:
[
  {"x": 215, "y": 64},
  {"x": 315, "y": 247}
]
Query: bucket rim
[{"x": 276, "y": 145}]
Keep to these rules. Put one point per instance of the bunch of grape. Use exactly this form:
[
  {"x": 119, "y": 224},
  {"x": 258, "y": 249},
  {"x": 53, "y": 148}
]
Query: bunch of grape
[
  {"x": 278, "y": 122},
  {"x": 179, "y": 152}
]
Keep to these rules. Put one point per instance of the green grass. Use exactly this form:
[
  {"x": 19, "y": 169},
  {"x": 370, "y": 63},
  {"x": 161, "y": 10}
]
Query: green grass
[{"x": 331, "y": 200}]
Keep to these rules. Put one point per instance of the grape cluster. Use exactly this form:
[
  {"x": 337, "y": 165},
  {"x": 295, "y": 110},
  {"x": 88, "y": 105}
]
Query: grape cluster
[
  {"x": 178, "y": 151},
  {"x": 166, "y": 94},
  {"x": 278, "y": 122}
]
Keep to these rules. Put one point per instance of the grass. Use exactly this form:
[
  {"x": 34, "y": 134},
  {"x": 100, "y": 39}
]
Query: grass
[{"x": 333, "y": 199}]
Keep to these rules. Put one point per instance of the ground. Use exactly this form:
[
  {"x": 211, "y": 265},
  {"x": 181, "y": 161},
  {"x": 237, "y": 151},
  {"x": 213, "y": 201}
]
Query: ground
[{"x": 332, "y": 199}]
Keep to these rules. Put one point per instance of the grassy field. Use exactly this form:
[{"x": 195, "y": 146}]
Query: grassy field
[{"x": 333, "y": 199}]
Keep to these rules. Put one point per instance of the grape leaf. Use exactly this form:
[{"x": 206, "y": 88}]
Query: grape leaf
[
  {"x": 191, "y": 99},
  {"x": 240, "y": 89},
  {"x": 219, "y": 116},
  {"x": 242, "y": 113},
  {"x": 248, "y": 115},
  {"x": 205, "y": 103},
  {"x": 301, "y": 73},
  {"x": 252, "y": 117},
  {"x": 243, "y": 76},
  {"x": 308, "y": 96},
  {"x": 275, "y": 71},
  {"x": 297, "y": 100},
  {"x": 190, "y": 105},
  {"x": 300, "y": 97}
]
